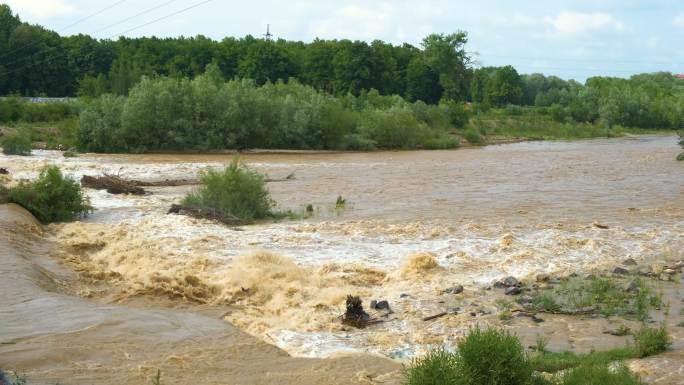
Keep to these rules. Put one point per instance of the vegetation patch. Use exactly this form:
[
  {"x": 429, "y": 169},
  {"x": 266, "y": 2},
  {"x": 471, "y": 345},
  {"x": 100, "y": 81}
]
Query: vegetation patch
[
  {"x": 236, "y": 191},
  {"x": 603, "y": 295},
  {"x": 17, "y": 142},
  {"x": 601, "y": 374},
  {"x": 51, "y": 198}
]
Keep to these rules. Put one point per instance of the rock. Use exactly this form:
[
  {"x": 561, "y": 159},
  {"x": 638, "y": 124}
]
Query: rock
[
  {"x": 458, "y": 289},
  {"x": 669, "y": 271},
  {"x": 629, "y": 262},
  {"x": 620, "y": 270},
  {"x": 510, "y": 282},
  {"x": 513, "y": 290},
  {"x": 3, "y": 171},
  {"x": 379, "y": 305},
  {"x": 543, "y": 277},
  {"x": 404, "y": 295},
  {"x": 632, "y": 287},
  {"x": 473, "y": 314}
]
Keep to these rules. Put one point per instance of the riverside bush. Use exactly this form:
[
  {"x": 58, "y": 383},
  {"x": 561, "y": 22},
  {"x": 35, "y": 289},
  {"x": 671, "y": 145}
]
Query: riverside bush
[
  {"x": 16, "y": 143},
  {"x": 51, "y": 198},
  {"x": 206, "y": 113},
  {"x": 485, "y": 357},
  {"x": 235, "y": 191}
]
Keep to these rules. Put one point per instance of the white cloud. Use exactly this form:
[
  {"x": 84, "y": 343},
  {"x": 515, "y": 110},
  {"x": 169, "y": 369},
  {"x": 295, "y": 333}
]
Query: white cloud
[
  {"x": 356, "y": 22},
  {"x": 577, "y": 23},
  {"x": 41, "y": 9},
  {"x": 679, "y": 21}
]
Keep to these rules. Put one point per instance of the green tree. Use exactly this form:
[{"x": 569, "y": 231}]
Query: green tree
[
  {"x": 422, "y": 82},
  {"x": 504, "y": 87},
  {"x": 446, "y": 55},
  {"x": 265, "y": 61}
]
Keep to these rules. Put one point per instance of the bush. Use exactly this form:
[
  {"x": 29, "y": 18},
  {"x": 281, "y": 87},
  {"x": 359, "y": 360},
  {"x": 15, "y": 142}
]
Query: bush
[
  {"x": 236, "y": 191},
  {"x": 51, "y": 198},
  {"x": 492, "y": 356},
  {"x": 680, "y": 157},
  {"x": 473, "y": 136},
  {"x": 438, "y": 367},
  {"x": 600, "y": 375},
  {"x": 16, "y": 143},
  {"x": 650, "y": 341}
]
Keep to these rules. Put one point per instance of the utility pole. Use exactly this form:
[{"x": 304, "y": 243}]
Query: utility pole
[{"x": 268, "y": 36}]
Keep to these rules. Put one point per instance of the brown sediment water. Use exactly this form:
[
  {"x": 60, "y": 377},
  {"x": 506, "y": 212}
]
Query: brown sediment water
[
  {"x": 415, "y": 223},
  {"x": 52, "y": 336}
]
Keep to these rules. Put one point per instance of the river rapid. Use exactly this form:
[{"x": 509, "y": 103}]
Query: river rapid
[{"x": 415, "y": 223}]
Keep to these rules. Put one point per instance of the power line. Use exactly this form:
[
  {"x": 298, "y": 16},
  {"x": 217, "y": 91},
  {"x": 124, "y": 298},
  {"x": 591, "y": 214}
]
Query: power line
[
  {"x": 134, "y": 16},
  {"x": 79, "y": 21},
  {"x": 92, "y": 15},
  {"x": 161, "y": 18},
  {"x": 6, "y": 72}
]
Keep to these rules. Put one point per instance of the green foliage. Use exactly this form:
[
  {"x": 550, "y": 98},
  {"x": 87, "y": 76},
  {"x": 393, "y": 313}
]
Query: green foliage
[
  {"x": 485, "y": 357},
  {"x": 438, "y": 367},
  {"x": 16, "y": 143},
  {"x": 236, "y": 190},
  {"x": 472, "y": 135},
  {"x": 603, "y": 374},
  {"x": 680, "y": 157},
  {"x": 51, "y": 198},
  {"x": 553, "y": 362},
  {"x": 651, "y": 341},
  {"x": 492, "y": 356},
  {"x": 606, "y": 295}
]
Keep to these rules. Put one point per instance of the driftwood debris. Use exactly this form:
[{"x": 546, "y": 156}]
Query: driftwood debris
[
  {"x": 166, "y": 182},
  {"x": 205, "y": 213},
  {"x": 3, "y": 171},
  {"x": 439, "y": 315},
  {"x": 354, "y": 314},
  {"x": 113, "y": 184}
]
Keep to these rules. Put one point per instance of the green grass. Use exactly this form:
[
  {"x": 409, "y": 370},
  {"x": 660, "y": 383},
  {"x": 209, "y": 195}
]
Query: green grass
[
  {"x": 604, "y": 294},
  {"x": 603, "y": 374},
  {"x": 53, "y": 133},
  {"x": 533, "y": 125},
  {"x": 16, "y": 143},
  {"x": 51, "y": 198},
  {"x": 651, "y": 341},
  {"x": 647, "y": 342},
  {"x": 236, "y": 191}
]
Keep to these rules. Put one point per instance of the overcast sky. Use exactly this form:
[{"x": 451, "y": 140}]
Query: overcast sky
[{"x": 570, "y": 39}]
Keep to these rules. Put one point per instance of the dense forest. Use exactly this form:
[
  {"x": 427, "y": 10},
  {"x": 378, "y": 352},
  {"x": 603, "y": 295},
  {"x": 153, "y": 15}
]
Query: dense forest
[{"x": 147, "y": 94}]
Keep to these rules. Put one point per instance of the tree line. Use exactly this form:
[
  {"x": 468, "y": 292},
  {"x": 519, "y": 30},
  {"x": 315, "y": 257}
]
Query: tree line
[{"x": 149, "y": 93}]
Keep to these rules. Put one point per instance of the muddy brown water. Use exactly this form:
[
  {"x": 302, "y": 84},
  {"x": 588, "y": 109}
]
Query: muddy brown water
[{"x": 480, "y": 213}]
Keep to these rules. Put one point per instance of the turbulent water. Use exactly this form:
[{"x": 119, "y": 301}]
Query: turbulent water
[{"x": 415, "y": 223}]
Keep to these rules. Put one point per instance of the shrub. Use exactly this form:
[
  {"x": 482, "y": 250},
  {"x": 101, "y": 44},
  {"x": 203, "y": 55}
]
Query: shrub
[
  {"x": 473, "y": 136},
  {"x": 603, "y": 374},
  {"x": 492, "y": 357},
  {"x": 16, "y": 143},
  {"x": 680, "y": 157},
  {"x": 237, "y": 191},
  {"x": 51, "y": 198},
  {"x": 650, "y": 341},
  {"x": 438, "y": 367}
]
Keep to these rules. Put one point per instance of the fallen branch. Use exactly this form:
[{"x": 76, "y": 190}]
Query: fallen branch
[
  {"x": 113, "y": 184},
  {"x": 205, "y": 213},
  {"x": 166, "y": 182},
  {"x": 430, "y": 318}
]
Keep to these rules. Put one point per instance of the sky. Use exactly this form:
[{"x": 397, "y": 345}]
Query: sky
[{"x": 570, "y": 39}]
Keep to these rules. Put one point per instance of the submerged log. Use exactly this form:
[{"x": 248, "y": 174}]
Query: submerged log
[
  {"x": 205, "y": 213},
  {"x": 113, "y": 184}
]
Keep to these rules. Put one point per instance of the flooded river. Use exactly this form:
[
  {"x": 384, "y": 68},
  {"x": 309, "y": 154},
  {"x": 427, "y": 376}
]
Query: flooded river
[{"x": 415, "y": 223}]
